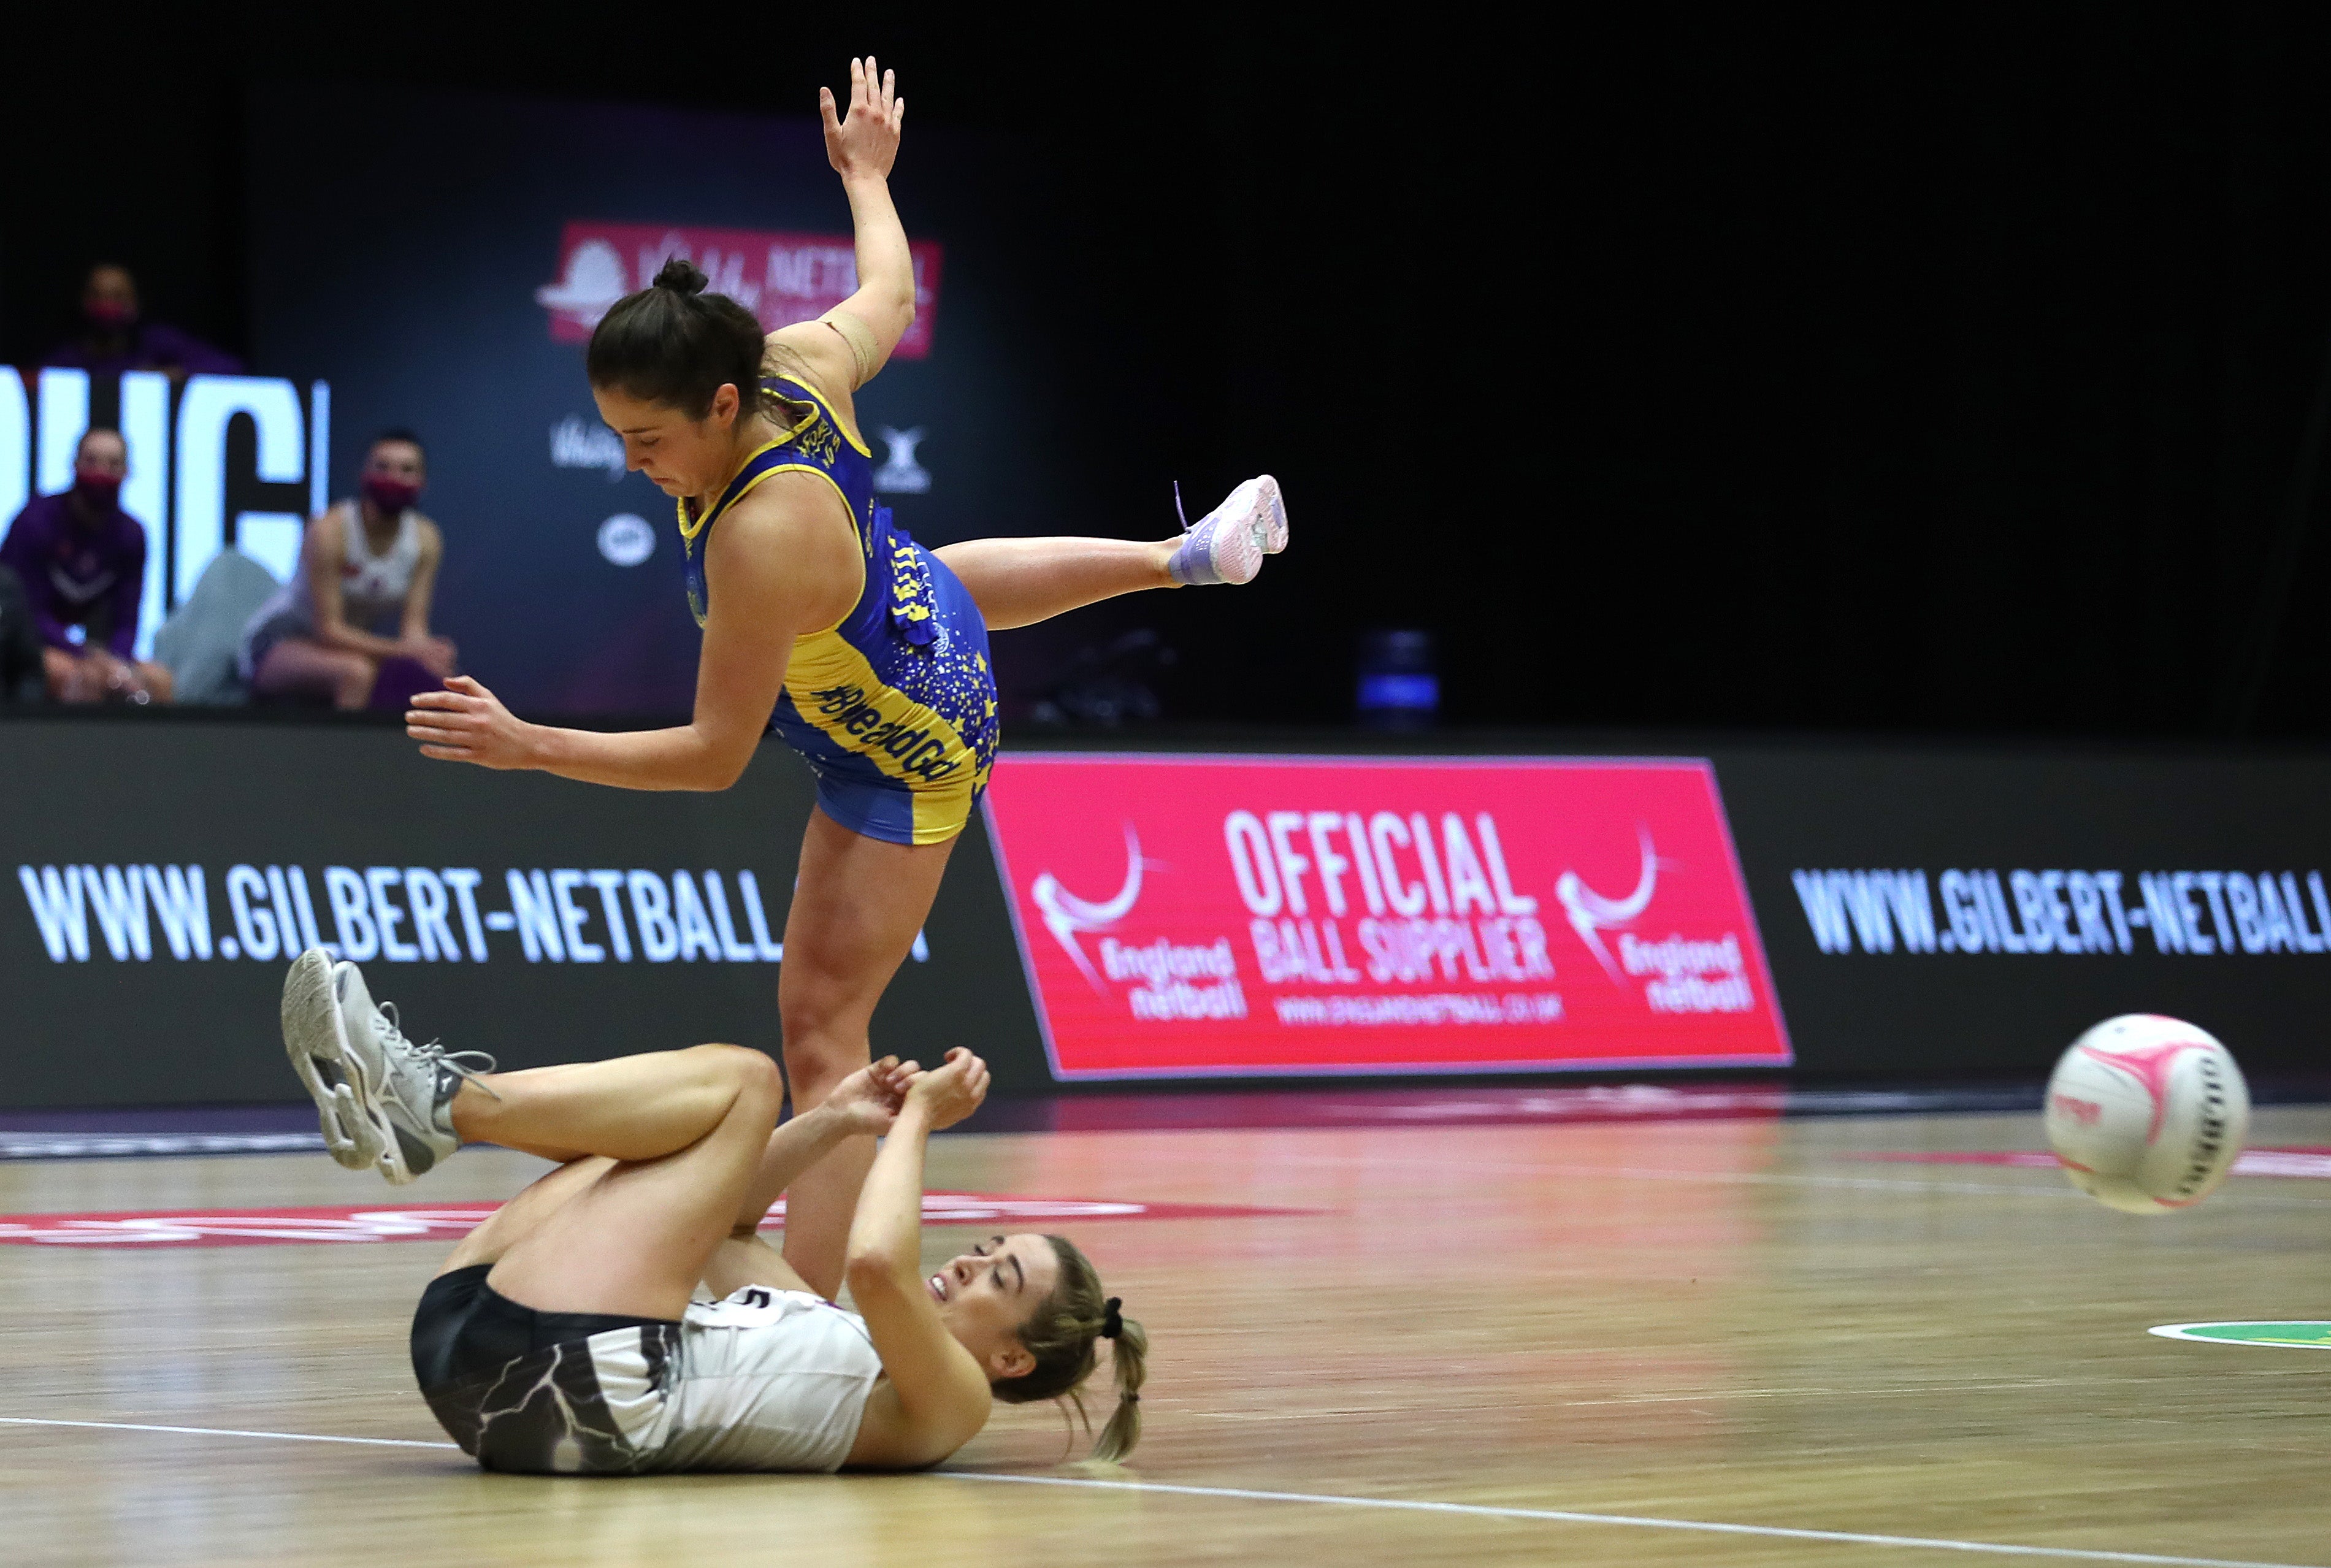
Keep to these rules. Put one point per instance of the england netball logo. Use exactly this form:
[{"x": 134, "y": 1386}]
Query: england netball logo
[
  {"x": 1678, "y": 975},
  {"x": 1068, "y": 916},
  {"x": 1591, "y": 913}
]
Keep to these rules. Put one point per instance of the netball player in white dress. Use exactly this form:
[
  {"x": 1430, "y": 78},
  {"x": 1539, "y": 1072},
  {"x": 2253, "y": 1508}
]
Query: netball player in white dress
[{"x": 563, "y": 1335}]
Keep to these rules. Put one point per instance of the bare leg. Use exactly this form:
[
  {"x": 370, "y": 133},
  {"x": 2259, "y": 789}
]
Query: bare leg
[
  {"x": 633, "y": 1107},
  {"x": 854, "y": 915},
  {"x": 296, "y": 667},
  {"x": 1020, "y": 582},
  {"x": 631, "y": 1233}
]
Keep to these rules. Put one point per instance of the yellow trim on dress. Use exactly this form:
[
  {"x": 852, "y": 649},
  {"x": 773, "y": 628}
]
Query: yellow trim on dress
[
  {"x": 827, "y": 408},
  {"x": 710, "y": 513},
  {"x": 837, "y": 692}
]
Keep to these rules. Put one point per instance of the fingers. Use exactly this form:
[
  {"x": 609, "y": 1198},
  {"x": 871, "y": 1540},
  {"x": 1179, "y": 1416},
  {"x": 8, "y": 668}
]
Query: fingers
[{"x": 825, "y": 111}]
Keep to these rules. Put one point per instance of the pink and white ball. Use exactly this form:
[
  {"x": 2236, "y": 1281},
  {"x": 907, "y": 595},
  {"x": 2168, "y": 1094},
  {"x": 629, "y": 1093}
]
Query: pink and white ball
[{"x": 2147, "y": 1113}]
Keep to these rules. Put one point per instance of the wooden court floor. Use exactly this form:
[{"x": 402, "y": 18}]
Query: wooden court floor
[{"x": 1583, "y": 1336}]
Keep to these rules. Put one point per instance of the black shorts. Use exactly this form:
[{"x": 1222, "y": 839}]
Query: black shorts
[{"x": 512, "y": 1385}]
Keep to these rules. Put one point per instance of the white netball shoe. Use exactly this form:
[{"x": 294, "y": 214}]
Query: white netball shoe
[
  {"x": 1228, "y": 544},
  {"x": 384, "y": 1103}
]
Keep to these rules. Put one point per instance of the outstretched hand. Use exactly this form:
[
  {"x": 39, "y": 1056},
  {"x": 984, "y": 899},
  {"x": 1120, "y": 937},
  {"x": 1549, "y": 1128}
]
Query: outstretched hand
[
  {"x": 467, "y": 723},
  {"x": 950, "y": 1093},
  {"x": 864, "y": 140},
  {"x": 869, "y": 1099}
]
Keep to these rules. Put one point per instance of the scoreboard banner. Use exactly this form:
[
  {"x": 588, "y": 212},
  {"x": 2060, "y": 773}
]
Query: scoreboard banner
[{"x": 1217, "y": 917}]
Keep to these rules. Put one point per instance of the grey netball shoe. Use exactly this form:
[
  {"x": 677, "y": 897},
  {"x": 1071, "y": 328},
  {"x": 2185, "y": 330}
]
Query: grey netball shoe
[
  {"x": 384, "y": 1102},
  {"x": 1228, "y": 544}
]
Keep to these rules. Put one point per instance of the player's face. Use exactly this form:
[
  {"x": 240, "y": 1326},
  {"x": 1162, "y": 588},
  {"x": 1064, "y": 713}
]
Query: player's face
[
  {"x": 679, "y": 455},
  {"x": 984, "y": 1294}
]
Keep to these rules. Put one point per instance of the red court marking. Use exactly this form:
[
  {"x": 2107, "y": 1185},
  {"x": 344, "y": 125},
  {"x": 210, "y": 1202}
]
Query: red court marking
[
  {"x": 264, "y": 1226},
  {"x": 2311, "y": 1162}
]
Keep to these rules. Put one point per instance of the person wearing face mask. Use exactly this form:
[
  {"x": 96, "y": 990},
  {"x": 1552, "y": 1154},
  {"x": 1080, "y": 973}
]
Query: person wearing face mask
[
  {"x": 352, "y": 625},
  {"x": 113, "y": 337},
  {"x": 83, "y": 563}
]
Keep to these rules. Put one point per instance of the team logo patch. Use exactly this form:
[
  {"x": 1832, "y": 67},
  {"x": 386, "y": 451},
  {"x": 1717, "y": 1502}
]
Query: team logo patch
[
  {"x": 266, "y": 1226},
  {"x": 2303, "y": 1336}
]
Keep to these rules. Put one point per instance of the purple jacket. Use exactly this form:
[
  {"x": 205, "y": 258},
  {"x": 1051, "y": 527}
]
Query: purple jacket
[
  {"x": 151, "y": 347},
  {"x": 79, "y": 575}
]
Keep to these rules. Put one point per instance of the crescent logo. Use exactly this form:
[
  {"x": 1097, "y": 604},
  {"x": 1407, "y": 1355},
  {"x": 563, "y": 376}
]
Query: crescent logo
[
  {"x": 1068, "y": 916},
  {"x": 1591, "y": 913}
]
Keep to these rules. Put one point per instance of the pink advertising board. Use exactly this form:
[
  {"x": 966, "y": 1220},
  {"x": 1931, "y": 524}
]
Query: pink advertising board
[
  {"x": 781, "y": 278},
  {"x": 1225, "y": 916}
]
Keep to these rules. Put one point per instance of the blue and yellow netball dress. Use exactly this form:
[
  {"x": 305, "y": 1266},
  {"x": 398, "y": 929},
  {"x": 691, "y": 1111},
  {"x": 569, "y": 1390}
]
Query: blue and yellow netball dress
[{"x": 893, "y": 705}]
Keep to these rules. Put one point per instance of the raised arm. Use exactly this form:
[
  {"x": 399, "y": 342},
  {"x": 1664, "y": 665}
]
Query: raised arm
[
  {"x": 847, "y": 346},
  {"x": 936, "y": 1398},
  {"x": 862, "y": 1104},
  {"x": 779, "y": 567}
]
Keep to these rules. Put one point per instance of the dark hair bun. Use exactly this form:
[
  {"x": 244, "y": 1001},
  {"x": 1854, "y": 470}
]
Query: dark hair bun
[{"x": 682, "y": 277}]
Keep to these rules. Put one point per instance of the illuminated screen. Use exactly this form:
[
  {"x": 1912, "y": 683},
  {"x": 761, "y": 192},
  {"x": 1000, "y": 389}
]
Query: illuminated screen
[
  {"x": 439, "y": 261},
  {"x": 1222, "y": 916}
]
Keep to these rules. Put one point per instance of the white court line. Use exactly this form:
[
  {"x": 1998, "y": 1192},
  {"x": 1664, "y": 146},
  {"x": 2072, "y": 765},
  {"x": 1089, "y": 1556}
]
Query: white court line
[
  {"x": 1404, "y": 1505},
  {"x": 224, "y": 1432},
  {"x": 1751, "y": 1178},
  {"x": 1557, "y": 1515}
]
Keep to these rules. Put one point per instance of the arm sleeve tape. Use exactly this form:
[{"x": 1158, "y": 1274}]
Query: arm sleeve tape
[{"x": 863, "y": 353}]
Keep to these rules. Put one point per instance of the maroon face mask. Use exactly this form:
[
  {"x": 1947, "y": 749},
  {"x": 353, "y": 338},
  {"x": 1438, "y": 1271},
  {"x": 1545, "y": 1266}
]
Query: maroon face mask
[
  {"x": 391, "y": 495},
  {"x": 110, "y": 315},
  {"x": 101, "y": 489}
]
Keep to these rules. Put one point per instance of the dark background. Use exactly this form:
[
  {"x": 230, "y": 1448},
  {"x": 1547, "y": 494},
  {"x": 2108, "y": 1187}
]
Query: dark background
[
  {"x": 1906, "y": 370},
  {"x": 434, "y": 325}
]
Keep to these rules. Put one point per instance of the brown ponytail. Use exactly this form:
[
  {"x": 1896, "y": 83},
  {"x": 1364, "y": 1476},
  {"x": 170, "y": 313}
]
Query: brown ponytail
[{"x": 1064, "y": 1333}]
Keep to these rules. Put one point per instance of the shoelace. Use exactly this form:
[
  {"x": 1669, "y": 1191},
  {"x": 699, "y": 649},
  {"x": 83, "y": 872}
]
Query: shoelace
[{"x": 460, "y": 1063}]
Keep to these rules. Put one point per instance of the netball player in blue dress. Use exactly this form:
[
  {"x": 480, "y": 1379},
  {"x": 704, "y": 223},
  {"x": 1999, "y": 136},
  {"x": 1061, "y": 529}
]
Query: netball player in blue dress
[{"x": 870, "y": 651}]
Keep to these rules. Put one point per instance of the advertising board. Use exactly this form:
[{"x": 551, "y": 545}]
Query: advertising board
[
  {"x": 1954, "y": 912},
  {"x": 1124, "y": 917},
  {"x": 156, "y": 878},
  {"x": 1209, "y": 916}
]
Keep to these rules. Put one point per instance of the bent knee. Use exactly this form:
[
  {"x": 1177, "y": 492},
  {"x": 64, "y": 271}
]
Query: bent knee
[{"x": 741, "y": 1067}]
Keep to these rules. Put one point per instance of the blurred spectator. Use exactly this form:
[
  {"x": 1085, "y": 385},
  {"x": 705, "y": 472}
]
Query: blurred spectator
[
  {"x": 81, "y": 560},
  {"x": 22, "y": 678},
  {"x": 352, "y": 623},
  {"x": 114, "y": 339}
]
